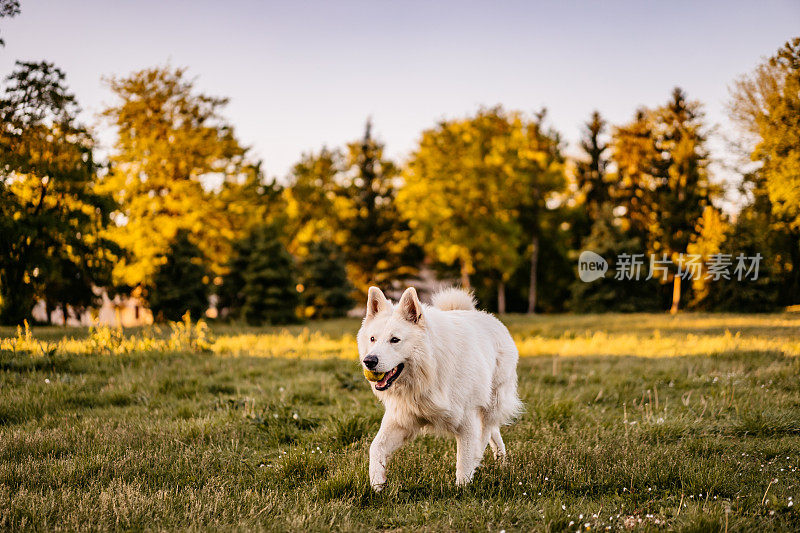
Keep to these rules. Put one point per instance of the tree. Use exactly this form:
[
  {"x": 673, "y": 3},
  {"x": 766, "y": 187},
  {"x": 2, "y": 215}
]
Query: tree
[
  {"x": 173, "y": 149},
  {"x": 181, "y": 282},
  {"x": 8, "y": 9},
  {"x": 664, "y": 185},
  {"x": 475, "y": 190},
  {"x": 751, "y": 234},
  {"x": 378, "y": 248},
  {"x": 624, "y": 287},
  {"x": 349, "y": 198},
  {"x": 766, "y": 104},
  {"x": 261, "y": 285},
  {"x": 710, "y": 235},
  {"x": 316, "y": 203},
  {"x": 51, "y": 213},
  {"x": 542, "y": 177},
  {"x": 326, "y": 289},
  {"x": 590, "y": 173}
]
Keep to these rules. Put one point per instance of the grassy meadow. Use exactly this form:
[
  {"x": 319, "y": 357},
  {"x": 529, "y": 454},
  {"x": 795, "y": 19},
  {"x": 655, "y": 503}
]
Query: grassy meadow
[{"x": 641, "y": 421}]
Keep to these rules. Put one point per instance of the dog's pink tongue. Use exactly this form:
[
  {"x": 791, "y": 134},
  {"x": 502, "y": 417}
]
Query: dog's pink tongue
[{"x": 382, "y": 383}]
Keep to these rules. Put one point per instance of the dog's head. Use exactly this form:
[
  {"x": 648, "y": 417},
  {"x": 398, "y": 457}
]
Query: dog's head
[{"x": 391, "y": 339}]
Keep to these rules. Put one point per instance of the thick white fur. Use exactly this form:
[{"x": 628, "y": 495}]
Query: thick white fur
[{"x": 459, "y": 376}]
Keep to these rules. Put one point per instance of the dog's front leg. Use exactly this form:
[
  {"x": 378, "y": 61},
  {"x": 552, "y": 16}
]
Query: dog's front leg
[
  {"x": 389, "y": 438},
  {"x": 468, "y": 453}
]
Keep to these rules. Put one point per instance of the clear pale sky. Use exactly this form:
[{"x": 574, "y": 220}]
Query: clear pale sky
[{"x": 301, "y": 75}]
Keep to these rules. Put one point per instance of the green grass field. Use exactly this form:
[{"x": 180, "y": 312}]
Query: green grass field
[{"x": 637, "y": 421}]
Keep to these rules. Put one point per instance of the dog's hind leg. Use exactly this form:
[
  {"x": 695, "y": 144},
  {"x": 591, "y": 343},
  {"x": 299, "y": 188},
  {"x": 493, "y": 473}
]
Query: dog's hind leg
[
  {"x": 486, "y": 436},
  {"x": 498, "y": 447}
]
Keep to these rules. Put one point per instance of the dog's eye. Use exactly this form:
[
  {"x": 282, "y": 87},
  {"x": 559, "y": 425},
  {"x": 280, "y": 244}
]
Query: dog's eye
[
  {"x": 394, "y": 340},
  {"x": 372, "y": 339}
]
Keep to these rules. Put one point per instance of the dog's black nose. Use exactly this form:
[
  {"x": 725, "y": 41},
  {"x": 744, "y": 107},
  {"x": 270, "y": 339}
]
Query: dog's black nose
[{"x": 371, "y": 361}]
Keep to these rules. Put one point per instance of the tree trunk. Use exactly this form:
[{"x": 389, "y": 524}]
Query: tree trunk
[
  {"x": 676, "y": 294},
  {"x": 64, "y": 310},
  {"x": 534, "y": 266},
  {"x": 501, "y": 297},
  {"x": 17, "y": 299},
  {"x": 794, "y": 287},
  {"x": 464, "y": 275}
]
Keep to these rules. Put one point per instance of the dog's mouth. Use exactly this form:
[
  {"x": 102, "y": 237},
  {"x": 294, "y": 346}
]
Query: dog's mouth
[{"x": 386, "y": 381}]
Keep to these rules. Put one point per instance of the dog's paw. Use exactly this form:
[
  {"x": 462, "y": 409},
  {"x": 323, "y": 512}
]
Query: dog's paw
[
  {"x": 463, "y": 481},
  {"x": 378, "y": 481}
]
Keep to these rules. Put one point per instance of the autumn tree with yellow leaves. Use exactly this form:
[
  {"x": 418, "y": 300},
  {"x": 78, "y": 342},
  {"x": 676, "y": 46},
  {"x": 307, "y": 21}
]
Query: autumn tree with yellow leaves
[
  {"x": 173, "y": 165},
  {"x": 766, "y": 104},
  {"x": 474, "y": 192}
]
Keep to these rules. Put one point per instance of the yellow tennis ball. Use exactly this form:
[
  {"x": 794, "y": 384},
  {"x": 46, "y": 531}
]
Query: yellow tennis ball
[{"x": 373, "y": 376}]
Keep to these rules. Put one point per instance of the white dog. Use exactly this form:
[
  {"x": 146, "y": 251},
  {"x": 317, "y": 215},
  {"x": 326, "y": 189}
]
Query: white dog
[{"x": 447, "y": 368}]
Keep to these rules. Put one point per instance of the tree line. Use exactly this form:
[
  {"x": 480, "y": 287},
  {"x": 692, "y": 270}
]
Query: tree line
[{"x": 181, "y": 211}]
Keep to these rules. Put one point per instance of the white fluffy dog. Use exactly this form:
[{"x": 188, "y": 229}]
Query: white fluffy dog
[{"x": 448, "y": 368}]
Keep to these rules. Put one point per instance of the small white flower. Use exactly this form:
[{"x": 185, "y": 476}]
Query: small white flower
[
  {"x": 563, "y": 507},
  {"x": 295, "y": 416},
  {"x": 47, "y": 380}
]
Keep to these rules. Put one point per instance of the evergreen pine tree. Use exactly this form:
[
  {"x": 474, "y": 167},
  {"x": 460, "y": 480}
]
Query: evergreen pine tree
[
  {"x": 590, "y": 178},
  {"x": 663, "y": 183},
  {"x": 326, "y": 287},
  {"x": 590, "y": 174},
  {"x": 181, "y": 283},
  {"x": 378, "y": 249},
  {"x": 269, "y": 285}
]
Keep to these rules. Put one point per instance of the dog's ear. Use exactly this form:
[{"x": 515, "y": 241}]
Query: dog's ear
[
  {"x": 376, "y": 302},
  {"x": 409, "y": 307}
]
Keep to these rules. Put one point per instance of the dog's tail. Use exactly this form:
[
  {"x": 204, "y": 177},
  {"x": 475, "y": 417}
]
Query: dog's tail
[{"x": 452, "y": 299}]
